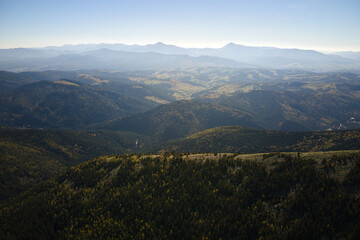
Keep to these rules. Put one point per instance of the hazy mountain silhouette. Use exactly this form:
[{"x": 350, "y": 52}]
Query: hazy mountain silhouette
[{"x": 160, "y": 55}]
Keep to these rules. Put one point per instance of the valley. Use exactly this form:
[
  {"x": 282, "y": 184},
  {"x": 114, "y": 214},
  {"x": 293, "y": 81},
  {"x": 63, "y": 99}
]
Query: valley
[
  {"x": 273, "y": 99},
  {"x": 259, "y": 139},
  {"x": 180, "y": 120}
]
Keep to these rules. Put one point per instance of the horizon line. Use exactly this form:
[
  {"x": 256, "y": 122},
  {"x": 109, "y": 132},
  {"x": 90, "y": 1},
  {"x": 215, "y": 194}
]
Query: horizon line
[{"x": 218, "y": 46}]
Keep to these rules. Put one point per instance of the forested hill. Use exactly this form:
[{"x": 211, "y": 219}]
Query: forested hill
[
  {"x": 29, "y": 157},
  {"x": 65, "y": 104},
  {"x": 302, "y": 107},
  {"x": 246, "y": 140},
  {"x": 180, "y": 119},
  {"x": 171, "y": 197}
]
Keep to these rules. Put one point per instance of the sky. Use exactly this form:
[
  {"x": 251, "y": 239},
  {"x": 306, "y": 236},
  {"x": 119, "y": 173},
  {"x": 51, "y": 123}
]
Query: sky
[{"x": 324, "y": 25}]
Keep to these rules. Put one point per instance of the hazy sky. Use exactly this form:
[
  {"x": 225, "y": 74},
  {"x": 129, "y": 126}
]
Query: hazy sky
[{"x": 309, "y": 24}]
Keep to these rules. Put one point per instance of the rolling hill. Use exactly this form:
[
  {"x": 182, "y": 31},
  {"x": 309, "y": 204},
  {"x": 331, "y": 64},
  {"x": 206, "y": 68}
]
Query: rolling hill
[
  {"x": 30, "y": 156},
  {"x": 238, "y": 139},
  {"x": 298, "y": 110},
  {"x": 9, "y": 81},
  {"x": 275, "y": 99},
  {"x": 179, "y": 119},
  {"x": 65, "y": 104}
]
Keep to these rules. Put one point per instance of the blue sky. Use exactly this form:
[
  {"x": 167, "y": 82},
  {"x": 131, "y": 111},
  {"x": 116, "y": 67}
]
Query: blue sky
[{"x": 327, "y": 25}]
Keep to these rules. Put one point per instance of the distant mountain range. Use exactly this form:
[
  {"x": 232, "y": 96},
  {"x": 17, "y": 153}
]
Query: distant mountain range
[{"x": 123, "y": 57}]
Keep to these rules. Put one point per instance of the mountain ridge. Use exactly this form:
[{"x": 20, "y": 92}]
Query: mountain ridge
[
  {"x": 239, "y": 139},
  {"x": 65, "y": 104},
  {"x": 179, "y": 119},
  {"x": 182, "y": 196},
  {"x": 269, "y": 57}
]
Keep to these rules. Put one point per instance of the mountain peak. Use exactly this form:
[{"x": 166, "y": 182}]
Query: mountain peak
[
  {"x": 160, "y": 44},
  {"x": 231, "y": 44}
]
